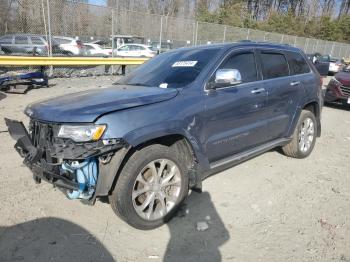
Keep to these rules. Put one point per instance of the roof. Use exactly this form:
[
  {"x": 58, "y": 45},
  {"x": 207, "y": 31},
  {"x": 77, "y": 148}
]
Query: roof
[
  {"x": 251, "y": 44},
  {"x": 22, "y": 34}
]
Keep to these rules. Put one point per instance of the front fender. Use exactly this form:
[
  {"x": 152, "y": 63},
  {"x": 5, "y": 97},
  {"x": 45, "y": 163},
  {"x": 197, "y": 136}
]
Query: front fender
[{"x": 144, "y": 128}]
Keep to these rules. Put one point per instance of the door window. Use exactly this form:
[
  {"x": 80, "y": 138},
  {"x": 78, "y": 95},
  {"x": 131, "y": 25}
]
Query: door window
[
  {"x": 297, "y": 63},
  {"x": 36, "y": 40},
  {"x": 245, "y": 63},
  {"x": 134, "y": 48},
  {"x": 21, "y": 40},
  {"x": 124, "y": 48},
  {"x": 274, "y": 65}
]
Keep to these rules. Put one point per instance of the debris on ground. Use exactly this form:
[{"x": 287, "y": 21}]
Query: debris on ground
[{"x": 202, "y": 226}]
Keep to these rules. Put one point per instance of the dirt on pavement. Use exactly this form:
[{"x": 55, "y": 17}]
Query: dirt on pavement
[{"x": 270, "y": 208}]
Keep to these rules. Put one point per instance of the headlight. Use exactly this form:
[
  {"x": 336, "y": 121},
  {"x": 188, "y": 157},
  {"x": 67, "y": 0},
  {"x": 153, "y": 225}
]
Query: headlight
[{"x": 82, "y": 133}]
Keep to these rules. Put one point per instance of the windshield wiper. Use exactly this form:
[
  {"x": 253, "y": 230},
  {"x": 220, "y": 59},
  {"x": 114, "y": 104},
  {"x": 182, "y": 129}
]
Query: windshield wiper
[
  {"x": 132, "y": 84},
  {"x": 138, "y": 84}
]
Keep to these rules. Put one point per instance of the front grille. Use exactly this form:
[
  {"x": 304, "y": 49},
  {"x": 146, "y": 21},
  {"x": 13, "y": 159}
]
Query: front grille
[
  {"x": 345, "y": 90},
  {"x": 41, "y": 133}
]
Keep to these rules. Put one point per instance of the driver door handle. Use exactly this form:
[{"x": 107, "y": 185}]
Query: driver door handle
[
  {"x": 258, "y": 90},
  {"x": 295, "y": 83}
]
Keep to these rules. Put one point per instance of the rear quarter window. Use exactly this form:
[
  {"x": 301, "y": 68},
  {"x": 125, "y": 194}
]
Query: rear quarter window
[
  {"x": 297, "y": 63},
  {"x": 274, "y": 65},
  {"x": 6, "y": 40}
]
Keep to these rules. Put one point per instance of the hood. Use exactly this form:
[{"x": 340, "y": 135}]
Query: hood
[
  {"x": 343, "y": 77},
  {"x": 88, "y": 105}
]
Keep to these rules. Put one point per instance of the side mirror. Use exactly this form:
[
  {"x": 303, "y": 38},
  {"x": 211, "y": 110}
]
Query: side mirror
[{"x": 227, "y": 77}]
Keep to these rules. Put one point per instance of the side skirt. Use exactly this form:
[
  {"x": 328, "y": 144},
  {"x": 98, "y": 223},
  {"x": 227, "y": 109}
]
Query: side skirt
[{"x": 231, "y": 161}]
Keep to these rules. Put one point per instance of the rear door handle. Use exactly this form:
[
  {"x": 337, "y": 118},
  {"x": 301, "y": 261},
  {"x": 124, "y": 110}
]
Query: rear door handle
[
  {"x": 295, "y": 83},
  {"x": 258, "y": 90}
]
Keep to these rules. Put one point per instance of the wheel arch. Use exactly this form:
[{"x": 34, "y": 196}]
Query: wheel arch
[
  {"x": 314, "y": 107},
  {"x": 177, "y": 141}
]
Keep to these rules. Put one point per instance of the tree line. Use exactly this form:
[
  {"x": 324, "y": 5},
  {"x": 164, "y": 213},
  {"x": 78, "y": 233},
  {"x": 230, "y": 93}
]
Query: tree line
[{"x": 325, "y": 19}]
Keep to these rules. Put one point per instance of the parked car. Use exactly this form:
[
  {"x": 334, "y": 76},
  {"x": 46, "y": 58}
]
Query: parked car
[
  {"x": 28, "y": 44},
  {"x": 335, "y": 65},
  {"x": 71, "y": 45},
  {"x": 135, "y": 50},
  {"x": 97, "y": 50},
  {"x": 321, "y": 63},
  {"x": 338, "y": 89},
  {"x": 175, "y": 120},
  {"x": 165, "y": 46}
]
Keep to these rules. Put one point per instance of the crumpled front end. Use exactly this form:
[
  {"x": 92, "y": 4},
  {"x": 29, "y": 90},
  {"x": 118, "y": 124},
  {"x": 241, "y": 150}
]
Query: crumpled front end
[{"x": 81, "y": 170}]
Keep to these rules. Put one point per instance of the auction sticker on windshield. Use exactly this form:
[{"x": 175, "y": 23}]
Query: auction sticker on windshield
[{"x": 184, "y": 64}]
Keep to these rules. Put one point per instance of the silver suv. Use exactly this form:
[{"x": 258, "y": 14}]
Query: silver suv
[{"x": 27, "y": 44}]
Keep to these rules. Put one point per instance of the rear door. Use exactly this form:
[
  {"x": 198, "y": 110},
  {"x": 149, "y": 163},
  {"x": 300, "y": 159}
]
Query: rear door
[
  {"x": 284, "y": 91},
  {"x": 235, "y": 115}
]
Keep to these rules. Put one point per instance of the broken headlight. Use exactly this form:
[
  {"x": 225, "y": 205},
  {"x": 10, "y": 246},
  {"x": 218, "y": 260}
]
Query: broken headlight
[{"x": 82, "y": 133}]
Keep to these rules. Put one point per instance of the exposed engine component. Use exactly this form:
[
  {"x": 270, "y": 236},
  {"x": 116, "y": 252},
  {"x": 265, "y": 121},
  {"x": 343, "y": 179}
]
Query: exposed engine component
[{"x": 85, "y": 173}]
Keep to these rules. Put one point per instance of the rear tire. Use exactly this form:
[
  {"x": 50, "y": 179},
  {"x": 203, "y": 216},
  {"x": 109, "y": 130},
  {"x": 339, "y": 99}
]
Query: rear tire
[
  {"x": 304, "y": 136},
  {"x": 148, "y": 171}
]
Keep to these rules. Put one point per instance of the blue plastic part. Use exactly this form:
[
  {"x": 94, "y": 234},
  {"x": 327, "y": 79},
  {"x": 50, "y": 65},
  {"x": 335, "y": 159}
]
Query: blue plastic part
[{"x": 86, "y": 175}]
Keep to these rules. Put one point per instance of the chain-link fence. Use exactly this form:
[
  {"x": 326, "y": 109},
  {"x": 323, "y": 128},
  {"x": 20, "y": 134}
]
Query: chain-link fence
[{"x": 90, "y": 23}]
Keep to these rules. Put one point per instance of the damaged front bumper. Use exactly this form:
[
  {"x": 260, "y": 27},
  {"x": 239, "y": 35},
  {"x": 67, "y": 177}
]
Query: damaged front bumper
[{"x": 81, "y": 170}]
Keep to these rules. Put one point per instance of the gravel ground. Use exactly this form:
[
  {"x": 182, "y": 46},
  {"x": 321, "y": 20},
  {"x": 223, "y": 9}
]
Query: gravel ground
[{"x": 270, "y": 208}]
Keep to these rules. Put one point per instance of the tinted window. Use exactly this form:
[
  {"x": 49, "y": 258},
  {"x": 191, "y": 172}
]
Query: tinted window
[
  {"x": 172, "y": 69},
  {"x": 6, "y": 40},
  {"x": 36, "y": 40},
  {"x": 274, "y": 65},
  {"x": 21, "y": 40},
  {"x": 62, "y": 40},
  {"x": 245, "y": 63},
  {"x": 297, "y": 63}
]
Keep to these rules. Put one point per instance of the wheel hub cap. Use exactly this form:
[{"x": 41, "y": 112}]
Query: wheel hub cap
[
  {"x": 306, "y": 134},
  {"x": 156, "y": 189}
]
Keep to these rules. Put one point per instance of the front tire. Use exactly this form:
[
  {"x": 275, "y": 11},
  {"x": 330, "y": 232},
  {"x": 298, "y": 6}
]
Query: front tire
[
  {"x": 304, "y": 136},
  {"x": 151, "y": 185}
]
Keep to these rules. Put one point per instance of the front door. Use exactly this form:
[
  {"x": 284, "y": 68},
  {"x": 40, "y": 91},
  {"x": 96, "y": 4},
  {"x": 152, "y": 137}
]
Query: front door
[{"x": 235, "y": 115}]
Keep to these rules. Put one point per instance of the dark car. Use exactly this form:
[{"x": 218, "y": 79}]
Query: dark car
[
  {"x": 164, "y": 47},
  {"x": 338, "y": 89},
  {"x": 321, "y": 63},
  {"x": 182, "y": 116},
  {"x": 28, "y": 44}
]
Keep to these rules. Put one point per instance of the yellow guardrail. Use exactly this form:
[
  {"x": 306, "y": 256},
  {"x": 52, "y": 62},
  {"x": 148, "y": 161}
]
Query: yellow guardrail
[{"x": 66, "y": 60}]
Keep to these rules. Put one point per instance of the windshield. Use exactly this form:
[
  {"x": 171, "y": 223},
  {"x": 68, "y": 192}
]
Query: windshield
[{"x": 171, "y": 70}]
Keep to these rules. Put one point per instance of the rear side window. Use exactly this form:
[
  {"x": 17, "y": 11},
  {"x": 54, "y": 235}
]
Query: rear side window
[
  {"x": 274, "y": 65},
  {"x": 297, "y": 63},
  {"x": 62, "y": 40},
  {"x": 245, "y": 63},
  {"x": 21, "y": 40},
  {"x": 6, "y": 40},
  {"x": 36, "y": 40}
]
